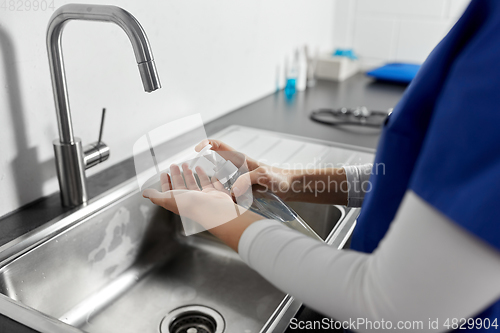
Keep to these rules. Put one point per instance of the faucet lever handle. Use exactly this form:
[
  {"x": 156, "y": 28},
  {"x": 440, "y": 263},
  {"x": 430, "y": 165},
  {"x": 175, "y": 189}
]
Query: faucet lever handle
[
  {"x": 96, "y": 152},
  {"x": 102, "y": 124}
]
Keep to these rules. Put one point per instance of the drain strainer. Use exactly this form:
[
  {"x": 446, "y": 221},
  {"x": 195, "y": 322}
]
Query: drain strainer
[{"x": 193, "y": 319}]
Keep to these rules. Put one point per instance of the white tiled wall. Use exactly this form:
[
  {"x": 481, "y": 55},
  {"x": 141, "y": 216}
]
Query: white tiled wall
[{"x": 394, "y": 30}]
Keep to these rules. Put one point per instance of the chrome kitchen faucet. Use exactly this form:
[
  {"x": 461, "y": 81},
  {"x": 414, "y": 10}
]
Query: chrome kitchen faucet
[{"x": 71, "y": 158}]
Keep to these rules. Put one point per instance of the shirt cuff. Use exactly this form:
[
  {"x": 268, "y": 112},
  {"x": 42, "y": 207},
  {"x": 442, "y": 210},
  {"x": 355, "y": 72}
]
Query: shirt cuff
[{"x": 357, "y": 179}]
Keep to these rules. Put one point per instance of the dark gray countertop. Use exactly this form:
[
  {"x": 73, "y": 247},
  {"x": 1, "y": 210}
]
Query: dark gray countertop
[{"x": 274, "y": 113}]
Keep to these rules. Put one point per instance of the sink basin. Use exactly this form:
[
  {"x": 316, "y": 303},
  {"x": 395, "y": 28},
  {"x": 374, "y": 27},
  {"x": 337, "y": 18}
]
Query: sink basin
[
  {"x": 121, "y": 264},
  {"x": 127, "y": 265}
]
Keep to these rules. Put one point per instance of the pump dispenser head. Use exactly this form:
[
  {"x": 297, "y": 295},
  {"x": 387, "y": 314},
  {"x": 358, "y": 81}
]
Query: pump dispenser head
[{"x": 224, "y": 170}]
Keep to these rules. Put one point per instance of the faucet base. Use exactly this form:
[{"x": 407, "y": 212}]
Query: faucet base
[{"x": 71, "y": 172}]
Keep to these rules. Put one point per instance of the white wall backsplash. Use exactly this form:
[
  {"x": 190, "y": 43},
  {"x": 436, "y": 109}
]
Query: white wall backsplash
[
  {"x": 394, "y": 30},
  {"x": 212, "y": 57}
]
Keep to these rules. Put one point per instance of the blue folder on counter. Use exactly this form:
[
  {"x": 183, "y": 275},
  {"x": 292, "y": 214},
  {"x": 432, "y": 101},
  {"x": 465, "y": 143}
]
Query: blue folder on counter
[{"x": 395, "y": 72}]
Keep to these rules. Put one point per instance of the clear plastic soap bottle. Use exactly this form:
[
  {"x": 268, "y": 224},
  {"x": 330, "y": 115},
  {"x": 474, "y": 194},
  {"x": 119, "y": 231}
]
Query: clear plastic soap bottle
[{"x": 228, "y": 167}]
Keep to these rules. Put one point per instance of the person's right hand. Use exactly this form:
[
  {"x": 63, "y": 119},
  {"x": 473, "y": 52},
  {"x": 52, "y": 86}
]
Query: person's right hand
[{"x": 277, "y": 180}]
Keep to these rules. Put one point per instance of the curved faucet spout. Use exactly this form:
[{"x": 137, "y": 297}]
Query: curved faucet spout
[
  {"x": 71, "y": 157},
  {"x": 121, "y": 17}
]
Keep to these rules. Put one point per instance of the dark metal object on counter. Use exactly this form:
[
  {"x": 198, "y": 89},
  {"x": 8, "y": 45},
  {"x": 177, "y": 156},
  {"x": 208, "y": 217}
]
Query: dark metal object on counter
[{"x": 359, "y": 116}]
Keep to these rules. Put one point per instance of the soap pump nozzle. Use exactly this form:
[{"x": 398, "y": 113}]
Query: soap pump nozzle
[{"x": 224, "y": 170}]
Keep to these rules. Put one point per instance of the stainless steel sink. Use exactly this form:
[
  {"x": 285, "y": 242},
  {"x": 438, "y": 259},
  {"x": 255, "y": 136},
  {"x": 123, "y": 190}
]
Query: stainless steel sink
[{"x": 121, "y": 264}]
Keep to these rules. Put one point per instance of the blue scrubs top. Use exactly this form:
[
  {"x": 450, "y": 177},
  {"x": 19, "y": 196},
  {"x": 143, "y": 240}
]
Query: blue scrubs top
[{"x": 443, "y": 139}]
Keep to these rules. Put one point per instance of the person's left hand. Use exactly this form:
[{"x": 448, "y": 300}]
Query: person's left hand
[{"x": 211, "y": 205}]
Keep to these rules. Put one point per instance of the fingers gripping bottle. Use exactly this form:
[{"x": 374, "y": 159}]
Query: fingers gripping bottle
[{"x": 223, "y": 169}]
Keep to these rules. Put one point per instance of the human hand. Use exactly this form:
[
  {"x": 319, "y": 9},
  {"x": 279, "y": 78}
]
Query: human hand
[
  {"x": 277, "y": 180},
  {"x": 211, "y": 206}
]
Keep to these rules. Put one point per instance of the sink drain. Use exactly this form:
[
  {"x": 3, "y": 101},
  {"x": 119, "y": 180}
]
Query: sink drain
[{"x": 193, "y": 319}]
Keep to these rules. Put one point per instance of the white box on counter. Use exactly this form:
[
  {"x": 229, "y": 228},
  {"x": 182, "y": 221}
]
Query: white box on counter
[{"x": 335, "y": 68}]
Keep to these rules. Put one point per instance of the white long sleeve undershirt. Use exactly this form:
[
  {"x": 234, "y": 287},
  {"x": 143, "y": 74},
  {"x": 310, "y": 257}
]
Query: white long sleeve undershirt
[{"x": 425, "y": 267}]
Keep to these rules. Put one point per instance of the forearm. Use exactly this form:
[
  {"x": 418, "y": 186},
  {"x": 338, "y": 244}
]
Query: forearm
[
  {"x": 327, "y": 186},
  {"x": 230, "y": 232}
]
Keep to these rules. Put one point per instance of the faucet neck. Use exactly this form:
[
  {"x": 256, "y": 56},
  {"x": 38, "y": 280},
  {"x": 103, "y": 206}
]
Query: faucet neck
[{"x": 122, "y": 18}]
